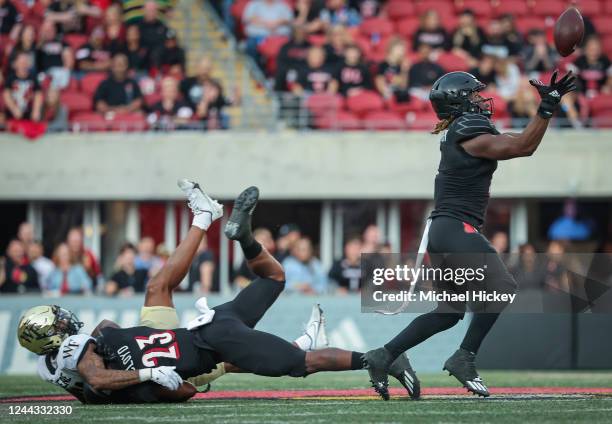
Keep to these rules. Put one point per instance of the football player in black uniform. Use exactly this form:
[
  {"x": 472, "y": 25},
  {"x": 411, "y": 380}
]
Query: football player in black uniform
[
  {"x": 470, "y": 149},
  {"x": 148, "y": 363}
]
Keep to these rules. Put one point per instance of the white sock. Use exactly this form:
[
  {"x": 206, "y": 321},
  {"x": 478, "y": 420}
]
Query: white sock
[
  {"x": 202, "y": 220},
  {"x": 303, "y": 342}
]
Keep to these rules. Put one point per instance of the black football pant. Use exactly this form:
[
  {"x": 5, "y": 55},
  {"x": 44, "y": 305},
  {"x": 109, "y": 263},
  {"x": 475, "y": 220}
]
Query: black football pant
[{"x": 455, "y": 244}]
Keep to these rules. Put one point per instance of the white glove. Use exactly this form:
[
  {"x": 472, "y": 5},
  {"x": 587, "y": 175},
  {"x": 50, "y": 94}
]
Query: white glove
[{"x": 164, "y": 376}]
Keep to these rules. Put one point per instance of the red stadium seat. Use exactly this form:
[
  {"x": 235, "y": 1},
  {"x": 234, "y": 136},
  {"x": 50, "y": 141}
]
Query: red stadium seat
[
  {"x": 603, "y": 24},
  {"x": 527, "y": 23},
  {"x": 589, "y": 8},
  {"x": 364, "y": 102},
  {"x": 607, "y": 6},
  {"x": 75, "y": 40},
  {"x": 376, "y": 27},
  {"x": 414, "y": 105},
  {"x": 237, "y": 9},
  {"x": 514, "y": 7},
  {"x": 548, "y": 8},
  {"x": 479, "y": 7},
  {"x": 88, "y": 121},
  {"x": 452, "y": 62},
  {"x": 500, "y": 106},
  {"x": 320, "y": 104},
  {"x": 151, "y": 99},
  {"x": 91, "y": 81},
  {"x": 341, "y": 120},
  {"x": 76, "y": 101},
  {"x": 269, "y": 49},
  {"x": 400, "y": 9},
  {"x": 601, "y": 104},
  {"x": 407, "y": 27},
  {"x": 444, "y": 8},
  {"x": 374, "y": 50},
  {"x": 128, "y": 122},
  {"x": 317, "y": 39},
  {"x": 383, "y": 120},
  {"x": 421, "y": 120},
  {"x": 607, "y": 45}
]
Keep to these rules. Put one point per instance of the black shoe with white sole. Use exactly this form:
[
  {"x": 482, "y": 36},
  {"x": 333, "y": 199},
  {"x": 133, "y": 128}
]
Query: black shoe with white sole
[
  {"x": 461, "y": 365},
  {"x": 238, "y": 225},
  {"x": 403, "y": 372},
  {"x": 377, "y": 362}
]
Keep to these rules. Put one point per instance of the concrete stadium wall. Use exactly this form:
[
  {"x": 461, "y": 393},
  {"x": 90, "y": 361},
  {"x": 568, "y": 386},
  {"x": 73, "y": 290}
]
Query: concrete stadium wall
[
  {"x": 287, "y": 165},
  {"x": 518, "y": 341}
]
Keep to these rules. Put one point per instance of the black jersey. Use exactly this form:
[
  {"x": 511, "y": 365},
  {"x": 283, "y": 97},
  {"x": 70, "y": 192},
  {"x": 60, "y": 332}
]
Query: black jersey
[
  {"x": 143, "y": 347},
  {"x": 463, "y": 181}
]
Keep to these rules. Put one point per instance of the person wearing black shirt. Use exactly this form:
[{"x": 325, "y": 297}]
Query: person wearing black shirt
[
  {"x": 152, "y": 30},
  {"x": 118, "y": 93},
  {"x": 10, "y": 18},
  {"x": 424, "y": 72},
  {"x": 291, "y": 57},
  {"x": 170, "y": 112},
  {"x": 430, "y": 32},
  {"x": 22, "y": 94},
  {"x": 470, "y": 148},
  {"x": 485, "y": 71},
  {"x": 53, "y": 53},
  {"x": 20, "y": 276},
  {"x": 468, "y": 38},
  {"x": 593, "y": 69},
  {"x": 127, "y": 279},
  {"x": 170, "y": 59},
  {"x": 346, "y": 272},
  {"x": 316, "y": 77},
  {"x": 26, "y": 43},
  {"x": 392, "y": 76},
  {"x": 192, "y": 88},
  {"x": 209, "y": 110},
  {"x": 307, "y": 13},
  {"x": 94, "y": 56},
  {"x": 138, "y": 56},
  {"x": 353, "y": 76}
]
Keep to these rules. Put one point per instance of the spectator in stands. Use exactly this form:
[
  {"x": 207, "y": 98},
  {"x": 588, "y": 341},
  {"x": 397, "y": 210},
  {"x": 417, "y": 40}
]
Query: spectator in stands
[
  {"x": 118, "y": 93},
  {"x": 127, "y": 279},
  {"x": 424, "y": 72},
  {"x": 170, "y": 112},
  {"x": 79, "y": 254},
  {"x": 152, "y": 29},
  {"x": 94, "y": 55},
  {"x": 507, "y": 77},
  {"x": 67, "y": 277},
  {"x": 138, "y": 56},
  {"x": 511, "y": 35},
  {"x": 43, "y": 265},
  {"x": 308, "y": 15},
  {"x": 353, "y": 75},
  {"x": 346, "y": 272},
  {"x": 303, "y": 271},
  {"x": 569, "y": 226},
  {"x": 202, "y": 269},
  {"x": 392, "y": 77},
  {"x": 524, "y": 105},
  {"x": 291, "y": 57},
  {"x": 528, "y": 272},
  {"x": 244, "y": 275},
  {"x": 55, "y": 112},
  {"x": 113, "y": 28},
  {"x": 209, "y": 110},
  {"x": 70, "y": 16},
  {"x": 337, "y": 40},
  {"x": 499, "y": 241},
  {"x": 538, "y": 56},
  {"x": 372, "y": 241},
  {"x": 192, "y": 88},
  {"x": 170, "y": 59},
  {"x": 593, "y": 69},
  {"x": 23, "y": 97},
  {"x": 555, "y": 276},
  {"x": 55, "y": 57},
  {"x": 468, "y": 38},
  {"x": 338, "y": 12},
  {"x": 20, "y": 276},
  {"x": 288, "y": 235},
  {"x": 485, "y": 70},
  {"x": 10, "y": 19},
  {"x": 430, "y": 32},
  {"x": 25, "y": 234},
  {"x": 146, "y": 258},
  {"x": 316, "y": 77},
  {"x": 498, "y": 44},
  {"x": 264, "y": 18},
  {"x": 26, "y": 43}
]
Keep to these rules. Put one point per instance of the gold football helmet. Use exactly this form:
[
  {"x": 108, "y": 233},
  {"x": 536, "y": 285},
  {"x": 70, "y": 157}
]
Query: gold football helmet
[{"x": 42, "y": 329}]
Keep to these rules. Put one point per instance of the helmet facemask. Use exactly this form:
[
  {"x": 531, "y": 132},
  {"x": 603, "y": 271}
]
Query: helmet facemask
[{"x": 481, "y": 104}]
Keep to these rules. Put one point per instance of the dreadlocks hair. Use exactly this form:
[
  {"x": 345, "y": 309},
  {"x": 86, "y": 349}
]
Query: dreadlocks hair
[{"x": 442, "y": 125}]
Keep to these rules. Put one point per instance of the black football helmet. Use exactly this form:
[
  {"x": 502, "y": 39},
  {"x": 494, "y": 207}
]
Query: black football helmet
[{"x": 456, "y": 93}]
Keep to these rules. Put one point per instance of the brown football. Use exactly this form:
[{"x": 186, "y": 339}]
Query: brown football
[{"x": 569, "y": 30}]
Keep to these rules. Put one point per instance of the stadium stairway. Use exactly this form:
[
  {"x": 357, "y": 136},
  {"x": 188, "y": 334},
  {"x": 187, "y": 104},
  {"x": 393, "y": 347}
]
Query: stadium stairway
[{"x": 201, "y": 33}]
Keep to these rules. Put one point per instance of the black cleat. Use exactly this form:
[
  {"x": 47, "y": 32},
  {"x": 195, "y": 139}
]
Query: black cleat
[
  {"x": 461, "y": 365},
  {"x": 239, "y": 223},
  {"x": 377, "y": 362},
  {"x": 403, "y": 372}
]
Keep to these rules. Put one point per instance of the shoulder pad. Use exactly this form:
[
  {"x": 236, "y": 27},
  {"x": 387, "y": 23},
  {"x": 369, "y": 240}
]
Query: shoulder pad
[
  {"x": 71, "y": 351},
  {"x": 471, "y": 125}
]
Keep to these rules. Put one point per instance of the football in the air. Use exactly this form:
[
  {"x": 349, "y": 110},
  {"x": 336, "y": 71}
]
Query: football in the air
[{"x": 569, "y": 30}]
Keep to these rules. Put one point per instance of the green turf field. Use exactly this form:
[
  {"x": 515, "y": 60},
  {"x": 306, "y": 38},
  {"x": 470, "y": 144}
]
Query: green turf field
[{"x": 564, "y": 408}]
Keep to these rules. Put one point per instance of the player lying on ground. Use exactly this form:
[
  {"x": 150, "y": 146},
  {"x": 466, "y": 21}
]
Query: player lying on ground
[
  {"x": 470, "y": 149},
  {"x": 122, "y": 365}
]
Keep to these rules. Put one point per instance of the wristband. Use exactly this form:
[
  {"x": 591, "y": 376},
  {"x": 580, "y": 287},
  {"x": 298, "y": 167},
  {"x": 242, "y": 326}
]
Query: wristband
[
  {"x": 546, "y": 109},
  {"x": 145, "y": 374}
]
